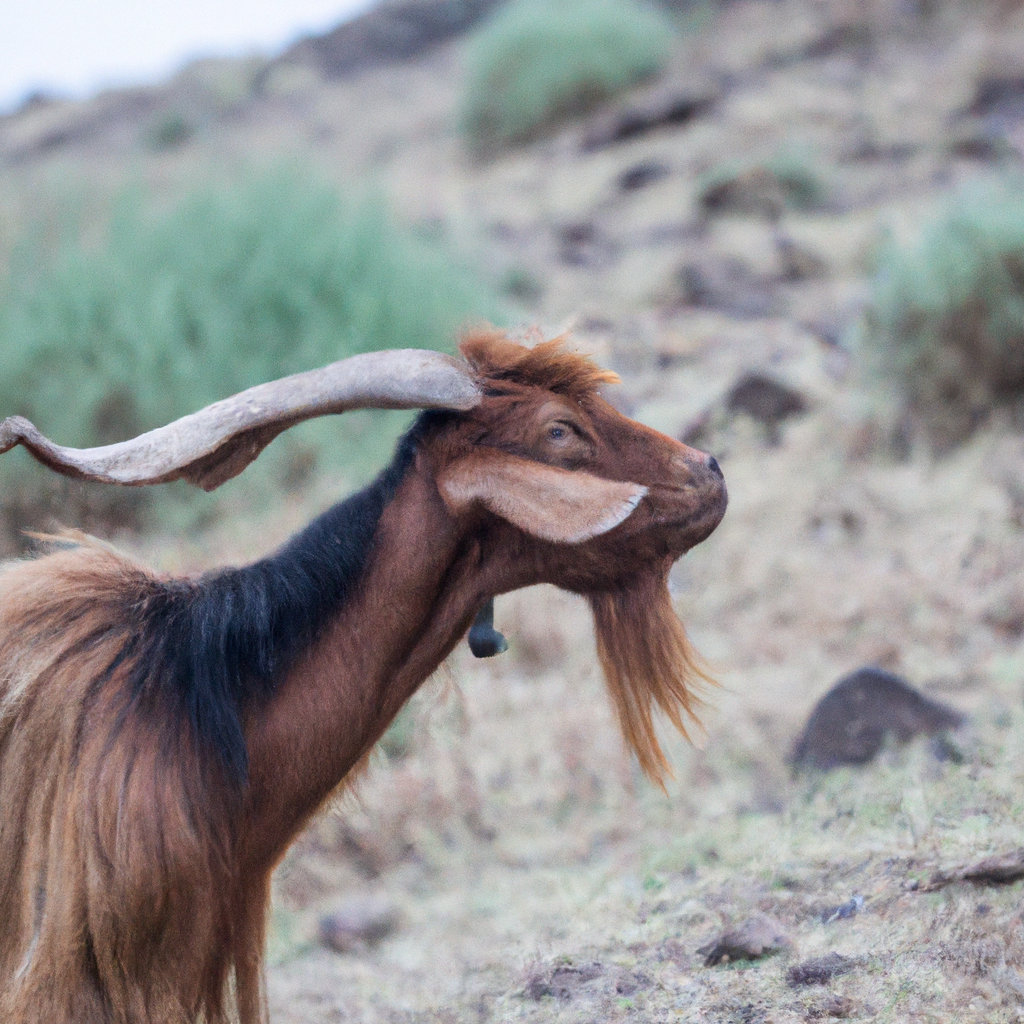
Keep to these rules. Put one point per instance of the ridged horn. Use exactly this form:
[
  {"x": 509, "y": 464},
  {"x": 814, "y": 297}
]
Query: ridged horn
[{"x": 210, "y": 446}]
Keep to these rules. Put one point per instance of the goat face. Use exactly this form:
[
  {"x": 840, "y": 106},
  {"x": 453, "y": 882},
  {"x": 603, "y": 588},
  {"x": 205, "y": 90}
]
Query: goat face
[{"x": 643, "y": 497}]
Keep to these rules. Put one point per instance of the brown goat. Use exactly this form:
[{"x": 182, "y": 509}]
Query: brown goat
[{"x": 163, "y": 741}]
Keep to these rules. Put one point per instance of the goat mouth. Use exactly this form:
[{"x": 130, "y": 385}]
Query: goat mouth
[{"x": 695, "y": 518}]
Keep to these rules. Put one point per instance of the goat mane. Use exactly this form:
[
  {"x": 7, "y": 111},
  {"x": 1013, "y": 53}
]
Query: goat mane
[
  {"x": 548, "y": 364},
  {"x": 648, "y": 662},
  {"x": 206, "y": 648}
]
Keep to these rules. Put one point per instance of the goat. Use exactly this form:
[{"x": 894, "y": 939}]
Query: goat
[{"x": 163, "y": 740}]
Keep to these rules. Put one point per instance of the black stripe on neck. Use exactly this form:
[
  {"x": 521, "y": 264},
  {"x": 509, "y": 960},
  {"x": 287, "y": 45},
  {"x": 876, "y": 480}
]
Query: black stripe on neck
[{"x": 215, "y": 644}]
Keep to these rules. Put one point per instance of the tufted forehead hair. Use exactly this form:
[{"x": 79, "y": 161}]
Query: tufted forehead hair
[{"x": 493, "y": 356}]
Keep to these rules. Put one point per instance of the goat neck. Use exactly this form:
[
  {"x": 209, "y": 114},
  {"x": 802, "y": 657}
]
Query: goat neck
[{"x": 420, "y": 589}]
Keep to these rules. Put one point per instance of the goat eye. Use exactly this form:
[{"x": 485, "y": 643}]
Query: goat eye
[{"x": 556, "y": 433}]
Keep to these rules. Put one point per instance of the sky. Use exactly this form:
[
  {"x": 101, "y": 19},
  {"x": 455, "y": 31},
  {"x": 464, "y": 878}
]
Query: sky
[{"x": 77, "y": 47}]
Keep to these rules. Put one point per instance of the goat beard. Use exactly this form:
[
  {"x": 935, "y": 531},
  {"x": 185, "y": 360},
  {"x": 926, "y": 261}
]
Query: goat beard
[{"x": 648, "y": 663}]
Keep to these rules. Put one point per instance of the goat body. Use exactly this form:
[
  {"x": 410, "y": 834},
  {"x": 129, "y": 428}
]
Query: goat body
[{"x": 162, "y": 741}]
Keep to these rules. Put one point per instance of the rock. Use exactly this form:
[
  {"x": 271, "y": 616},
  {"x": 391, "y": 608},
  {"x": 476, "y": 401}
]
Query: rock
[
  {"x": 641, "y": 175},
  {"x": 729, "y": 285},
  {"x": 664, "y": 107},
  {"x": 581, "y": 244},
  {"x": 849, "y": 725},
  {"x": 1001, "y": 95},
  {"x": 758, "y": 395},
  {"x": 1000, "y": 869},
  {"x": 832, "y": 1005},
  {"x": 844, "y": 910},
  {"x": 819, "y": 970},
  {"x": 758, "y": 936},
  {"x": 765, "y": 399},
  {"x": 357, "y": 923},
  {"x": 762, "y": 190},
  {"x": 631, "y": 982},
  {"x": 562, "y": 981}
]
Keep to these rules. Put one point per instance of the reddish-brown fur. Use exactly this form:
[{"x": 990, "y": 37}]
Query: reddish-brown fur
[{"x": 133, "y": 876}]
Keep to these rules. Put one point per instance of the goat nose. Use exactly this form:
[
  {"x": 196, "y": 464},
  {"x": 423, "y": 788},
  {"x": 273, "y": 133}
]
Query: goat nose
[{"x": 714, "y": 466}]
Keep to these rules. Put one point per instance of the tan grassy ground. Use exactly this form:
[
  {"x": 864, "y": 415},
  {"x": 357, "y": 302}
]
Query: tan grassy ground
[{"x": 507, "y": 825}]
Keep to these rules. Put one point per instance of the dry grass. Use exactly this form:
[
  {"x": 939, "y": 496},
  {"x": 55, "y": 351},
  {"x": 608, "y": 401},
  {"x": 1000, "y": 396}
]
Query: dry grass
[{"x": 515, "y": 836}]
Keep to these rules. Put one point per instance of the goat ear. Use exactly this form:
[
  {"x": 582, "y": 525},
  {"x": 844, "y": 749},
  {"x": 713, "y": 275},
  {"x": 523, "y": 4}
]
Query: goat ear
[{"x": 559, "y": 505}]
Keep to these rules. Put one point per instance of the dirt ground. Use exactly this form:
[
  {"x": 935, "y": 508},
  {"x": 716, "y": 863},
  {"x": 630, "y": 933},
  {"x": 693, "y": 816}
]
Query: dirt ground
[{"x": 523, "y": 868}]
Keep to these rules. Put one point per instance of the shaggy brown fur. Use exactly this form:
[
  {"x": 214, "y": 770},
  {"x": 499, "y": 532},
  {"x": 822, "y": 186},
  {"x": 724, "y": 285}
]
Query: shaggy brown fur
[
  {"x": 113, "y": 838},
  {"x": 549, "y": 364},
  {"x": 648, "y": 662},
  {"x": 134, "y": 865}
]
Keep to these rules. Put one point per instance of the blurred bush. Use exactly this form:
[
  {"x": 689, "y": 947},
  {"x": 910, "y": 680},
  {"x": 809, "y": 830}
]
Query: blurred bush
[
  {"x": 946, "y": 316},
  {"x": 538, "y": 62},
  {"x": 168, "y": 309}
]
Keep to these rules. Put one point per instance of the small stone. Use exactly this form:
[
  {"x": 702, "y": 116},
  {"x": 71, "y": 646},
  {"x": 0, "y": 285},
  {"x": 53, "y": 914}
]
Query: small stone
[
  {"x": 765, "y": 399},
  {"x": 844, "y": 910},
  {"x": 663, "y": 107},
  {"x": 562, "y": 981},
  {"x": 758, "y": 936},
  {"x": 357, "y": 923},
  {"x": 819, "y": 970},
  {"x": 641, "y": 175},
  {"x": 832, "y": 1005}
]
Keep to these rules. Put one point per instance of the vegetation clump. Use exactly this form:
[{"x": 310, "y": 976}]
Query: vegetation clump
[
  {"x": 946, "y": 316},
  {"x": 537, "y": 63},
  {"x": 168, "y": 309}
]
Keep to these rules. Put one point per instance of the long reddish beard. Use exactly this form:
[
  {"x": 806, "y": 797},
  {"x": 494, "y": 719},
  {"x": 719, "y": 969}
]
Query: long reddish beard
[{"x": 648, "y": 663}]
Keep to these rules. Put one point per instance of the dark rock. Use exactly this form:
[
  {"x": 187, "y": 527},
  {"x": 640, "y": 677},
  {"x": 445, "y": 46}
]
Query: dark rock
[
  {"x": 765, "y": 190},
  {"x": 819, "y": 970},
  {"x": 850, "y": 723},
  {"x": 980, "y": 145},
  {"x": 797, "y": 262},
  {"x": 850, "y": 38},
  {"x": 758, "y": 936},
  {"x": 832, "y": 1005},
  {"x": 37, "y": 99},
  {"x": 664, "y": 108},
  {"x": 1000, "y": 95},
  {"x": 844, "y": 910},
  {"x": 641, "y": 175},
  {"x": 729, "y": 285},
  {"x": 1006, "y": 616},
  {"x": 630, "y": 982},
  {"x": 582, "y": 245},
  {"x": 563, "y": 981},
  {"x": 356, "y": 924},
  {"x": 1002, "y": 869},
  {"x": 764, "y": 399},
  {"x": 756, "y": 192},
  {"x": 868, "y": 150}
]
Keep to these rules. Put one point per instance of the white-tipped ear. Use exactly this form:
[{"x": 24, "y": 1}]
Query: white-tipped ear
[{"x": 559, "y": 505}]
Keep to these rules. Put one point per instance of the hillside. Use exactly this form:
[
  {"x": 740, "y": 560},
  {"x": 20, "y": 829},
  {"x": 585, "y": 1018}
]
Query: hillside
[{"x": 531, "y": 872}]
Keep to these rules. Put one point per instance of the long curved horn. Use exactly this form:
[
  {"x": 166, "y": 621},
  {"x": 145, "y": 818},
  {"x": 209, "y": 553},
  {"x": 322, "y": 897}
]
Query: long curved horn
[{"x": 216, "y": 443}]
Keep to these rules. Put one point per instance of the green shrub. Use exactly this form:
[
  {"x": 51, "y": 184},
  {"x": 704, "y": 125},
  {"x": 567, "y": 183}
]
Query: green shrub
[
  {"x": 946, "y": 315},
  {"x": 170, "y": 132},
  {"x": 172, "y": 309},
  {"x": 538, "y": 62}
]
